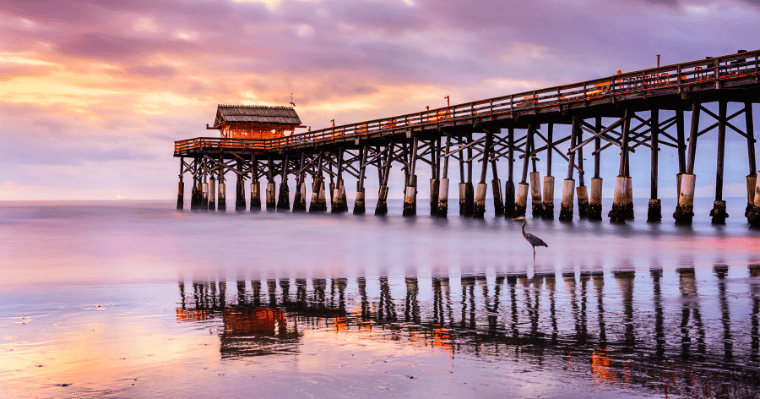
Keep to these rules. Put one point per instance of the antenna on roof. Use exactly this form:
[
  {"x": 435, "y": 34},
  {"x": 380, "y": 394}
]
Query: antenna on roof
[{"x": 291, "y": 100}]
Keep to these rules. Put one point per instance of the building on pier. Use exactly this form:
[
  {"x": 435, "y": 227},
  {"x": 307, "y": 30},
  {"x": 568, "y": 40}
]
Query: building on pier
[{"x": 255, "y": 121}]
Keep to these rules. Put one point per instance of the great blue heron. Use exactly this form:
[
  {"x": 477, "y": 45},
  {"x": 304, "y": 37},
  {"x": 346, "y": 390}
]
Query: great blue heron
[{"x": 530, "y": 238}]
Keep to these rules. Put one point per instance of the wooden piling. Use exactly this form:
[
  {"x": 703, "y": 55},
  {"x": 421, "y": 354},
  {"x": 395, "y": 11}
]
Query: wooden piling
[
  {"x": 535, "y": 194},
  {"x": 240, "y": 204},
  {"x": 256, "y": 196},
  {"x": 382, "y": 196},
  {"x": 509, "y": 187},
  {"x": 469, "y": 191},
  {"x": 581, "y": 190},
  {"x": 359, "y": 203},
  {"x": 212, "y": 194},
  {"x": 654, "y": 212},
  {"x": 283, "y": 202},
  {"x": 435, "y": 165},
  {"x": 382, "y": 201},
  {"x": 521, "y": 202},
  {"x": 299, "y": 198},
  {"x": 498, "y": 198},
  {"x": 752, "y": 177},
  {"x": 443, "y": 185},
  {"x": 180, "y": 195},
  {"x": 622, "y": 207},
  {"x": 568, "y": 186},
  {"x": 271, "y": 203},
  {"x": 340, "y": 203},
  {"x": 548, "y": 205},
  {"x": 479, "y": 208},
  {"x": 753, "y": 217},
  {"x": 181, "y": 185},
  {"x": 222, "y": 204},
  {"x": 595, "y": 203},
  {"x": 718, "y": 213},
  {"x": 410, "y": 193},
  {"x": 685, "y": 209}
]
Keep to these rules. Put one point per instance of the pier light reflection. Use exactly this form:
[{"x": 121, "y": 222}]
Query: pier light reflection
[{"x": 643, "y": 331}]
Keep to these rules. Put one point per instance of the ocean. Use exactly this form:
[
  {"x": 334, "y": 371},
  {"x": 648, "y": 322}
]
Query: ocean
[{"x": 136, "y": 299}]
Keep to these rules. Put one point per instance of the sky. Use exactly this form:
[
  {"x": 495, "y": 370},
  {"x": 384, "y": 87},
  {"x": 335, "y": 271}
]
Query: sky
[{"x": 94, "y": 93}]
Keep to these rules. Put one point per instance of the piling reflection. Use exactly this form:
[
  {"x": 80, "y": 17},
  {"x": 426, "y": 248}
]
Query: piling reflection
[{"x": 651, "y": 332}]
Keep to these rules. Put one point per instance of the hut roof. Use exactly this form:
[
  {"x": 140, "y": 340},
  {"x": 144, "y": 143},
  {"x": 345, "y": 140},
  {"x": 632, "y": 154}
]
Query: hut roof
[{"x": 256, "y": 113}]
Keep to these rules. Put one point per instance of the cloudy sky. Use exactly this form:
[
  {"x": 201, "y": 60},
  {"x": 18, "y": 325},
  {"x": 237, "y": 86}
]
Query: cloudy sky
[{"x": 93, "y": 93}]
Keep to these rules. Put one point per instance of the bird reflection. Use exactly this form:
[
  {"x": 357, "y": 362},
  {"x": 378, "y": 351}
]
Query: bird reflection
[{"x": 639, "y": 331}]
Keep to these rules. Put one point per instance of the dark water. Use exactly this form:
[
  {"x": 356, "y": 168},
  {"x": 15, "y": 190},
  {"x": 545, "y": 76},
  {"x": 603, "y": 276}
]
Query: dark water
[{"x": 134, "y": 299}]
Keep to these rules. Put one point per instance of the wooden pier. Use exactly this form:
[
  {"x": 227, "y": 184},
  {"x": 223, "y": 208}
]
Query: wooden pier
[{"x": 647, "y": 108}]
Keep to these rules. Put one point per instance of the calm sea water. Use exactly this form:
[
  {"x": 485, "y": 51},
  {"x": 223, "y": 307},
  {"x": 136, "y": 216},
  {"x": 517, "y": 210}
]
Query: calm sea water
[{"x": 135, "y": 299}]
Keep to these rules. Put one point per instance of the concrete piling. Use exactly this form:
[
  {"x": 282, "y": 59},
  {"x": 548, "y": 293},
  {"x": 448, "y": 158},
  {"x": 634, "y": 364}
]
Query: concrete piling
[
  {"x": 271, "y": 203},
  {"x": 535, "y": 194},
  {"x": 654, "y": 213},
  {"x": 753, "y": 216},
  {"x": 583, "y": 203},
  {"x": 718, "y": 213},
  {"x": 180, "y": 195},
  {"x": 338, "y": 199},
  {"x": 498, "y": 199},
  {"x": 566, "y": 206},
  {"x": 318, "y": 200},
  {"x": 382, "y": 201},
  {"x": 629, "y": 197},
  {"x": 462, "y": 195},
  {"x": 410, "y": 197},
  {"x": 299, "y": 199},
  {"x": 751, "y": 183},
  {"x": 685, "y": 208},
  {"x": 256, "y": 196},
  {"x": 521, "y": 202},
  {"x": 222, "y": 205},
  {"x": 359, "y": 205},
  {"x": 479, "y": 208},
  {"x": 283, "y": 202},
  {"x": 548, "y": 198},
  {"x": 434, "y": 190},
  {"x": 239, "y": 195},
  {"x": 204, "y": 196},
  {"x": 469, "y": 199},
  {"x": 595, "y": 203},
  {"x": 443, "y": 197},
  {"x": 509, "y": 199},
  {"x": 212, "y": 194},
  {"x": 620, "y": 201}
]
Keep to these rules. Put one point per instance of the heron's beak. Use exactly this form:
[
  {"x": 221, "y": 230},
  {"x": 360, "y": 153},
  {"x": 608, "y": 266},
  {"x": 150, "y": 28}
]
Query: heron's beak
[{"x": 519, "y": 218}]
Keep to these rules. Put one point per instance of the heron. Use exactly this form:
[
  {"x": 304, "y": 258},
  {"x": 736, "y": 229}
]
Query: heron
[{"x": 530, "y": 238}]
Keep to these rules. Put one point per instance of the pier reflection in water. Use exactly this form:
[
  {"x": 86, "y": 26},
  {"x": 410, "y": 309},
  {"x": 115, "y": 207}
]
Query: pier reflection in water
[{"x": 663, "y": 332}]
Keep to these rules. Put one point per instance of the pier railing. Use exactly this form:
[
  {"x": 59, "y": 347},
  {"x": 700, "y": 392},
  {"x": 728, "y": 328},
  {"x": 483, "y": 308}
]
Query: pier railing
[{"x": 718, "y": 71}]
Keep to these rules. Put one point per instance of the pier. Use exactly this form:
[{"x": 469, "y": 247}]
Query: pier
[{"x": 646, "y": 110}]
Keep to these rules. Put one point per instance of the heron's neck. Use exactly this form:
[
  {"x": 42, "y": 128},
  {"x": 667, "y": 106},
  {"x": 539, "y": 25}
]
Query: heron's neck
[{"x": 523, "y": 228}]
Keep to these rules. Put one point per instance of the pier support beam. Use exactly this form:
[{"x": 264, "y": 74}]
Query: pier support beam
[
  {"x": 498, "y": 198},
  {"x": 299, "y": 199},
  {"x": 410, "y": 193},
  {"x": 382, "y": 196},
  {"x": 753, "y": 217},
  {"x": 222, "y": 205},
  {"x": 548, "y": 194},
  {"x": 204, "y": 188},
  {"x": 212, "y": 194},
  {"x": 255, "y": 185},
  {"x": 359, "y": 203},
  {"x": 752, "y": 177},
  {"x": 181, "y": 185},
  {"x": 654, "y": 213},
  {"x": 469, "y": 191},
  {"x": 240, "y": 189},
  {"x": 509, "y": 186},
  {"x": 256, "y": 196},
  {"x": 595, "y": 202},
  {"x": 685, "y": 209},
  {"x": 271, "y": 202},
  {"x": 479, "y": 208},
  {"x": 283, "y": 202},
  {"x": 568, "y": 186},
  {"x": 443, "y": 186},
  {"x": 548, "y": 205},
  {"x": 718, "y": 213},
  {"x": 521, "y": 203},
  {"x": 581, "y": 190},
  {"x": 339, "y": 201},
  {"x": 535, "y": 194},
  {"x": 622, "y": 204},
  {"x": 435, "y": 181}
]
